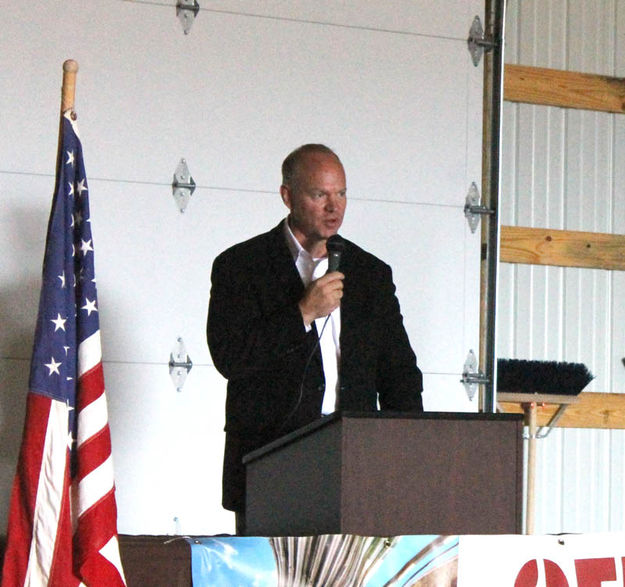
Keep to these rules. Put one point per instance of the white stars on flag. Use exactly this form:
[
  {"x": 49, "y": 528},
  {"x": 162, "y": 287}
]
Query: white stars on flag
[
  {"x": 85, "y": 246},
  {"x": 59, "y": 323},
  {"x": 53, "y": 366},
  {"x": 89, "y": 306},
  {"x": 76, "y": 219},
  {"x": 70, "y": 158},
  {"x": 81, "y": 187}
]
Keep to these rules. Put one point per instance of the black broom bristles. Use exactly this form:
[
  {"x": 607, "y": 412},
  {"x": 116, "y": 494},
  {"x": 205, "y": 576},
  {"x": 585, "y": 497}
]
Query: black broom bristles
[{"x": 523, "y": 376}]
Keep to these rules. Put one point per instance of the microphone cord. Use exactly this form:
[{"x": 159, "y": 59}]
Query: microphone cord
[
  {"x": 306, "y": 366},
  {"x": 334, "y": 245}
]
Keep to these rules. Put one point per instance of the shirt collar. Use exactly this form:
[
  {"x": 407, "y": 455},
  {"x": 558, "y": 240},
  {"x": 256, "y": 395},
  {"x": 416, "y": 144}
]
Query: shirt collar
[
  {"x": 294, "y": 245},
  {"x": 309, "y": 268}
]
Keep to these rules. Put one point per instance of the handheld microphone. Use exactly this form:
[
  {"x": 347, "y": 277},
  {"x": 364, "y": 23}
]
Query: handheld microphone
[{"x": 334, "y": 246}]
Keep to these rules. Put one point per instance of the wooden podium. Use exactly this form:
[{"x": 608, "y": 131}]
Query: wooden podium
[{"x": 388, "y": 474}]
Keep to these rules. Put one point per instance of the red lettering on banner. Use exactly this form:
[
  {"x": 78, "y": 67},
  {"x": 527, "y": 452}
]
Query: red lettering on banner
[
  {"x": 554, "y": 575},
  {"x": 528, "y": 575},
  {"x": 592, "y": 571}
]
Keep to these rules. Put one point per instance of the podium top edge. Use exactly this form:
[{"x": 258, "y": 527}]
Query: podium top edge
[{"x": 383, "y": 415}]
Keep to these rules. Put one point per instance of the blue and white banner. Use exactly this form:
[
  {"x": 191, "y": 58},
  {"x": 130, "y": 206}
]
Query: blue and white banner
[{"x": 324, "y": 560}]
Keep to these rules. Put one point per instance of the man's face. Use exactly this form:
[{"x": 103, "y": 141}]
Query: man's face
[{"x": 317, "y": 200}]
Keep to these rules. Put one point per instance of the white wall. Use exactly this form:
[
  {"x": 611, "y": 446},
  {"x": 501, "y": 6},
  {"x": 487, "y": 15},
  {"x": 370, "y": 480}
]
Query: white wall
[
  {"x": 393, "y": 90},
  {"x": 562, "y": 169}
]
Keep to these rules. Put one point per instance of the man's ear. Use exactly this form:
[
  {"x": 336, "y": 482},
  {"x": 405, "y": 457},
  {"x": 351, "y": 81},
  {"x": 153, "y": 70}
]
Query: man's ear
[{"x": 285, "y": 193}]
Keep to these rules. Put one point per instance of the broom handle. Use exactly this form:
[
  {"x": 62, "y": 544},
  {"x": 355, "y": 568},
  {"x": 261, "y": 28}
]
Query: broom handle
[
  {"x": 531, "y": 420},
  {"x": 68, "y": 91}
]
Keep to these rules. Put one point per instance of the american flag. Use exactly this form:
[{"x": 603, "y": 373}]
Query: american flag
[{"x": 63, "y": 516}]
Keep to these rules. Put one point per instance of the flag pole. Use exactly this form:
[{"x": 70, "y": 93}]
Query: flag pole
[{"x": 68, "y": 91}]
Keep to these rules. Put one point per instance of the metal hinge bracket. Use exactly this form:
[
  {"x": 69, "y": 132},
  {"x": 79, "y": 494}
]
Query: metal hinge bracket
[
  {"x": 179, "y": 364},
  {"x": 478, "y": 43},
  {"x": 473, "y": 208},
  {"x": 186, "y": 11},
  {"x": 544, "y": 431},
  {"x": 183, "y": 185},
  {"x": 471, "y": 377}
]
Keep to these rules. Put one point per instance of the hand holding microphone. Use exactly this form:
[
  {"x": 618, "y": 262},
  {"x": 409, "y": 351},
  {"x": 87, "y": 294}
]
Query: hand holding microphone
[{"x": 324, "y": 295}]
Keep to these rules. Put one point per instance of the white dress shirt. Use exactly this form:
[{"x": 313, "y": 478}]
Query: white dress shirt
[{"x": 310, "y": 269}]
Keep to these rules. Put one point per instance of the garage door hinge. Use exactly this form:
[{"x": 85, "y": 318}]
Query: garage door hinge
[
  {"x": 179, "y": 364},
  {"x": 183, "y": 185},
  {"x": 186, "y": 11},
  {"x": 478, "y": 42},
  {"x": 471, "y": 376},
  {"x": 473, "y": 208}
]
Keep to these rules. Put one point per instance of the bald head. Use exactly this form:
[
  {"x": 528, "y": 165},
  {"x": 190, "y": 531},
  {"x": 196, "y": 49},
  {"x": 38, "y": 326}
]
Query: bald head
[{"x": 292, "y": 165}]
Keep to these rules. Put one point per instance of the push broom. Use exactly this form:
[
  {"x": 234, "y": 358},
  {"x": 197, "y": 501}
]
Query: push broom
[
  {"x": 550, "y": 377},
  {"x": 539, "y": 378}
]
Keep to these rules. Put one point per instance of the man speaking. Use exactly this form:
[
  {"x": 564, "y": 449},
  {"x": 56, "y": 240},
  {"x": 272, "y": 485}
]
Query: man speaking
[{"x": 303, "y": 323}]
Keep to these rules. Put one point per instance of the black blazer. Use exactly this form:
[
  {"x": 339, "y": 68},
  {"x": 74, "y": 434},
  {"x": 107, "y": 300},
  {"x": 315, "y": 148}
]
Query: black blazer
[{"x": 275, "y": 378}]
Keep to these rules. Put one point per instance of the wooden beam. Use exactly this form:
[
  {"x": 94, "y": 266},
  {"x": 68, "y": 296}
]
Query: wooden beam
[
  {"x": 567, "y": 89},
  {"x": 592, "y": 410},
  {"x": 565, "y": 248}
]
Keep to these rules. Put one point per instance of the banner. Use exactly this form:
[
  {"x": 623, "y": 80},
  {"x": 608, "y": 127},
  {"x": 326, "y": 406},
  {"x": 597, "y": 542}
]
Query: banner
[
  {"x": 416, "y": 561},
  {"x": 569, "y": 560},
  {"x": 325, "y": 560}
]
